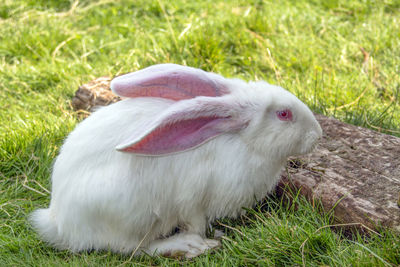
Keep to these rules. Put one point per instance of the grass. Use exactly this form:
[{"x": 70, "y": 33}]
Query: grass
[{"x": 342, "y": 58}]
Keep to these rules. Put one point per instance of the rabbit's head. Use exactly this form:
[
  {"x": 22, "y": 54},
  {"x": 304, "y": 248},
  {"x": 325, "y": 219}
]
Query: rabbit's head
[
  {"x": 269, "y": 119},
  {"x": 280, "y": 125}
]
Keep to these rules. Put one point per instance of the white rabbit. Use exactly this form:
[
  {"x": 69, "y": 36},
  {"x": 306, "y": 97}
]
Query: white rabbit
[{"x": 185, "y": 148}]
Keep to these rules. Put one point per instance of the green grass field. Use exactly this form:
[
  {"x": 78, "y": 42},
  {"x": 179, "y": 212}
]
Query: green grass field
[{"x": 342, "y": 58}]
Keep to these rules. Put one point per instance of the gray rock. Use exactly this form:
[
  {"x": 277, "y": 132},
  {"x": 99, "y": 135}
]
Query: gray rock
[
  {"x": 93, "y": 94},
  {"x": 354, "y": 171}
]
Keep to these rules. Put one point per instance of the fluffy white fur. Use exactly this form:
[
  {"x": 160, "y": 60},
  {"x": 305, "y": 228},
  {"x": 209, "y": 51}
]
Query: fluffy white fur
[{"x": 106, "y": 199}]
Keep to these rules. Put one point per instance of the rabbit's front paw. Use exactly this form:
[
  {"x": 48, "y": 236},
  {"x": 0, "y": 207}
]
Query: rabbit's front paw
[
  {"x": 184, "y": 244},
  {"x": 198, "y": 247}
]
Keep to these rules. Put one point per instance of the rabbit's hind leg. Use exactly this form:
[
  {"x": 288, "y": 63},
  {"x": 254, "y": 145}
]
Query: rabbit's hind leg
[{"x": 186, "y": 244}]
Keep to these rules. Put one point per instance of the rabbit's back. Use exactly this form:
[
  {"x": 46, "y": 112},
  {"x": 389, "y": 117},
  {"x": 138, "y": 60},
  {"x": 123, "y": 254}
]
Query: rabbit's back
[{"x": 98, "y": 192}]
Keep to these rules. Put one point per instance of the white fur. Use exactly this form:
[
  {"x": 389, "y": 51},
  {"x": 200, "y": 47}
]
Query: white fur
[{"x": 106, "y": 199}]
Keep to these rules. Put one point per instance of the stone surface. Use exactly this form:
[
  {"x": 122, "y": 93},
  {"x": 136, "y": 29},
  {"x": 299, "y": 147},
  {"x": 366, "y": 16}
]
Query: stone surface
[
  {"x": 354, "y": 171},
  {"x": 94, "y": 93}
]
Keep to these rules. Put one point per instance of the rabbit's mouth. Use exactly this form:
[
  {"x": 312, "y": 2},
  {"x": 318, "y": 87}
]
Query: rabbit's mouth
[{"x": 311, "y": 143}]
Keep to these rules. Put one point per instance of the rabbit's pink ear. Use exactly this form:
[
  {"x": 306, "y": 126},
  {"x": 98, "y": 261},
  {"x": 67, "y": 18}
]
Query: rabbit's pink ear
[
  {"x": 169, "y": 81},
  {"x": 181, "y": 130}
]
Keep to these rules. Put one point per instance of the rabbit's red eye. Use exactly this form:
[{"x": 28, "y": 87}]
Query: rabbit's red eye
[{"x": 284, "y": 115}]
